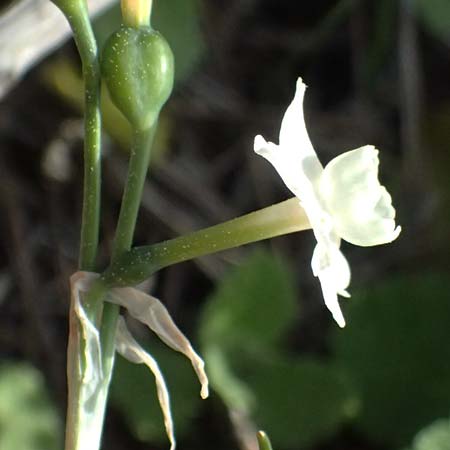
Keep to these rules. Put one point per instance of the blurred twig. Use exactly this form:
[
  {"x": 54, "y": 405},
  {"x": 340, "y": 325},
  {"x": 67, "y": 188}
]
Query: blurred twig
[{"x": 410, "y": 83}]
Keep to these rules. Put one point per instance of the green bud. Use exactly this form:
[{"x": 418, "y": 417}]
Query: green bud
[
  {"x": 137, "y": 66},
  {"x": 263, "y": 441}
]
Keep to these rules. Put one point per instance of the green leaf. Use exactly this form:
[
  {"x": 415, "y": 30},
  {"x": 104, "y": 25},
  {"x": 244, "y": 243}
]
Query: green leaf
[
  {"x": 253, "y": 306},
  {"x": 27, "y": 418},
  {"x": 179, "y": 21},
  {"x": 299, "y": 401},
  {"x": 250, "y": 309},
  {"x": 133, "y": 392},
  {"x": 434, "y": 437},
  {"x": 235, "y": 393},
  {"x": 396, "y": 350},
  {"x": 435, "y": 15}
]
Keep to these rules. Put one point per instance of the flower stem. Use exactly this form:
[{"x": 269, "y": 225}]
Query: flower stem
[
  {"x": 86, "y": 420},
  {"x": 139, "y": 161},
  {"x": 83, "y": 428},
  {"x": 87, "y": 48},
  {"x": 135, "y": 266}
]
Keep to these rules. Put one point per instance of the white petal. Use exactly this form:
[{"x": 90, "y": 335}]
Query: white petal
[
  {"x": 131, "y": 350},
  {"x": 150, "y": 311},
  {"x": 296, "y": 162},
  {"x": 294, "y": 159},
  {"x": 293, "y": 133},
  {"x": 333, "y": 271},
  {"x": 361, "y": 208}
]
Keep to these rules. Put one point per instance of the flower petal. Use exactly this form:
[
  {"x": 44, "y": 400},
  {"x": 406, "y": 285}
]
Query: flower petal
[
  {"x": 150, "y": 311},
  {"x": 293, "y": 133},
  {"x": 333, "y": 271},
  {"x": 361, "y": 208},
  {"x": 296, "y": 162},
  {"x": 131, "y": 350},
  {"x": 294, "y": 159}
]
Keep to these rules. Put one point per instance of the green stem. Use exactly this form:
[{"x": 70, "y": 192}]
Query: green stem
[
  {"x": 87, "y": 48},
  {"x": 137, "y": 170},
  {"x": 83, "y": 428},
  {"x": 135, "y": 266},
  {"x": 86, "y": 420},
  {"x": 139, "y": 161}
]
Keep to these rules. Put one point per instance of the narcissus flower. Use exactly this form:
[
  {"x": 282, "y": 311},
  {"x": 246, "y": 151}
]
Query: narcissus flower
[{"x": 344, "y": 200}]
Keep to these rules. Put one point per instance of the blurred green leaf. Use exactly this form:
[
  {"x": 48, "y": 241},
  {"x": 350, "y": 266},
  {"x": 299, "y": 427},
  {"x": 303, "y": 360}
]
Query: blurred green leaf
[
  {"x": 252, "y": 306},
  {"x": 178, "y": 21},
  {"x": 300, "y": 401},
  {"x": 434, "y": 437},
  {"x": 297, "y": 401},
  {"x": 105, "y": 24},
  {"x": 396, "y": 348},
  {"x": 250, "y": 309},
  {"x": 133, "y": 392},
  {"x": 435, "y": 15},
  {"x": 27, "y": 418},
  {"x": 235, "y": 393}
]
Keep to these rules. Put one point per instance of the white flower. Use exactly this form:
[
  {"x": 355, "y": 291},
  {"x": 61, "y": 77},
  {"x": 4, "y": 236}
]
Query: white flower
[{"x": 343, "y": 200}]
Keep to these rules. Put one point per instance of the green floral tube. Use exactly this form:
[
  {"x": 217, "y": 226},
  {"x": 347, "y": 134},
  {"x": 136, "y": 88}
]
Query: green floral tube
[{"x": 138, "y": 264}]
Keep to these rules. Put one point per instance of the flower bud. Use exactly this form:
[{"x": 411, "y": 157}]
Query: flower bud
[{"x": 137, "y": 66}]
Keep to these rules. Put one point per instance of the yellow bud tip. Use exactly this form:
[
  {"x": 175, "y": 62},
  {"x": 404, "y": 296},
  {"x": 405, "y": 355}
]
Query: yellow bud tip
[
  {"x": 263, "y": 441},
  {"x": 136, "y": 13}
]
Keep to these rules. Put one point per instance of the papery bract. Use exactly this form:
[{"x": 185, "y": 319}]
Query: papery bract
[
  {"x": 152, "y": 313},
  {"x": 131, "y": 350},
  {"x": 148, "y": 310}
]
